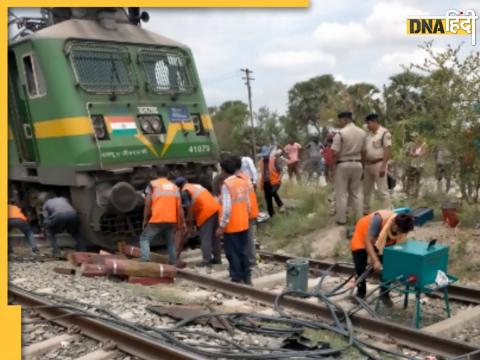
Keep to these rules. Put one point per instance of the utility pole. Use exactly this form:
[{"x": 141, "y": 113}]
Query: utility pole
[{"x": 247, "y": 79}]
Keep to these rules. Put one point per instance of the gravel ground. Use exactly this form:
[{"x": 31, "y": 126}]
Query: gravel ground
[
  {"x": 470, "y": 333},
  {"x": 128, "y": 301},
  {"x": 36, "y": 332}
]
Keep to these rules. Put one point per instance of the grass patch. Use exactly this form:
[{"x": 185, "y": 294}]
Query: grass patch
[
  {"x": 469, "y": 215},
  {"x": 308, "y": 213}
]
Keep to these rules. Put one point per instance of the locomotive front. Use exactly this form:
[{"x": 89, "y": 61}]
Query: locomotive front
[{"x": 96, "y": 103}]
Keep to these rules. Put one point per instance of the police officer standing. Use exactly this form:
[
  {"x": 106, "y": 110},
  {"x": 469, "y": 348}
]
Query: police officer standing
[
  {"x": 377, "y": 153},
  {"x": 348, "y": 146}
]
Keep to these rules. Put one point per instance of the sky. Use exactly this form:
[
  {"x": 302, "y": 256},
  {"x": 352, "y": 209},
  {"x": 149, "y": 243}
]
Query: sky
[{"x": 355, "y": 40}]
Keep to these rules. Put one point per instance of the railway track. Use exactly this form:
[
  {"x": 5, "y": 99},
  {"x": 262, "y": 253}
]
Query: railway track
[
  {"x": 124, "y": 339},
  {"x": 406, "y": 336},
  {"x": 455, "y": 292},
  {"x": 132, "y": 343}
]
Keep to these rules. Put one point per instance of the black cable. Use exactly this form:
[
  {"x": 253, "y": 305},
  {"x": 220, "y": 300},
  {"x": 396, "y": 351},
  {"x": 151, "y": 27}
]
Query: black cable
[{"x": 250, "y": 323}]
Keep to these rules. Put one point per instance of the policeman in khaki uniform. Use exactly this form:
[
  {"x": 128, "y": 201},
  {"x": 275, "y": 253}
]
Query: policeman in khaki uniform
[
  {"x": 348, "y": 147},
  {"x": 377, "y": 153}
]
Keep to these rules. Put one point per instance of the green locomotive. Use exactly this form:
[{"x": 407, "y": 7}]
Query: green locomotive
[{"x": 95, "y": 103}]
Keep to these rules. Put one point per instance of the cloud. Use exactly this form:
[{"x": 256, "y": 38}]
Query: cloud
[
  {"x": 384, "y": 26},
  {"x": 340, "y": 36},
  {"x": 390, "y": 63},
  {"x": 295, "y": 60}
]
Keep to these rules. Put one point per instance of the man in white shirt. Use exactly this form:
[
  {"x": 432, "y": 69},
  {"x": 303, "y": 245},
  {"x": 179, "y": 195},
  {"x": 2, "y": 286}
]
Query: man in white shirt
[{"x": 248, "y": 167}]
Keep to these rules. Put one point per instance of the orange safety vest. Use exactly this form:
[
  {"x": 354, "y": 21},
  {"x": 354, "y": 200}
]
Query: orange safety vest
[
  {"x": 254, "y": 211},
  {"x": 239, "y": 192},
  {"x": 274, "y": 175},
  {"x": 14, "y": 212},
  {"x": 166, "y": 206},
  {"x": 361, "y": 229},
  {"x": 204, "y": 204}
]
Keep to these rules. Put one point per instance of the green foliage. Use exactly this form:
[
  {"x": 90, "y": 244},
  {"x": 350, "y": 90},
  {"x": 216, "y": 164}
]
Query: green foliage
[
  {"x": 315, "y": 101},
  {"x": 469, "y": 215},
  {"x": 439, "y": 99},
  {"x": 363, "y": 99},
  {"x": 230, "y": 121},
  {"x": 309, "y": 214}
]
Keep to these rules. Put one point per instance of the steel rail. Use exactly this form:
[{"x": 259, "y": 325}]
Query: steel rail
[
  {"x": 412, "y": 338},
  {"x": 125, "y": 340},
  {"x": 455, "y": 292}
]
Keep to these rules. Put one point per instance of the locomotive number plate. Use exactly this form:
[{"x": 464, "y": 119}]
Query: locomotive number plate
[{"x": 199, "y": 149}]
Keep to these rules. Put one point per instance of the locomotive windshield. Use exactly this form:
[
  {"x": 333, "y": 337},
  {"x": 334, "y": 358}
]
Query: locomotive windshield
[
  {"x": 166, "y": 71},
  {"x": 102, "y": 70}
]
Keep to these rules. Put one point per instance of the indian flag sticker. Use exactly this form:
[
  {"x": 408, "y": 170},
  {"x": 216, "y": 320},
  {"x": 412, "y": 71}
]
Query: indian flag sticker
[{"x": 122, "y": 125}]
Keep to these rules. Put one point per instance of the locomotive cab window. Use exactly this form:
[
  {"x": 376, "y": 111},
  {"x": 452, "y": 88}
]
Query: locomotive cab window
[
  {"x": 36, "y": 86},
  {"x": 103, "y": 69},
  {"x": 166, "y": 71}
]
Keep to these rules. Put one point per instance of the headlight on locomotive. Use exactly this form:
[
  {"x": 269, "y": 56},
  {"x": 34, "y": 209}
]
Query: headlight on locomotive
[
  {"x": 146, "y": 126},
  {"x": 98, "y": 123},
  {"x": 151, "y": 124},
  {"x": 156, "y": 124}
]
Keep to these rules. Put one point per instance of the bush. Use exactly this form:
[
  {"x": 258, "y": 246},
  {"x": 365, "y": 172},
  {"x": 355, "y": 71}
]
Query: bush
[{"x": 469, "y": 215}]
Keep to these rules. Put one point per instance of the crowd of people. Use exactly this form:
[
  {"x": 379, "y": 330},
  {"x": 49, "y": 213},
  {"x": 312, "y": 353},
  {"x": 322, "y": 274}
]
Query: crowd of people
[{"x": 354, "y": 162}]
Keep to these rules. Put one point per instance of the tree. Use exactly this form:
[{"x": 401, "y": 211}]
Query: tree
[
  {"x": 363, "y": 99},
  {"x": 268, "y": 128},
  {"x": 449, "y": 90},
  {"x": 402, "y": 96},
  {"x": 315, "y": 101},
  {"x": 230, "y": 120}
]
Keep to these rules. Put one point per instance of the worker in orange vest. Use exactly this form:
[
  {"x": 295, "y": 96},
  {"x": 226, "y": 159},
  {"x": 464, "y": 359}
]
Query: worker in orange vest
[
  {"x": 372, "y": 233},
  {"x": 271, "y": 178},
  {"x": 253, "y": 213},
  {"x": 17, "y": 220},
  {"x": 162, "y": 215},
  {"x": 234, "y": 222},
  {"x": 202, "y": 208}
]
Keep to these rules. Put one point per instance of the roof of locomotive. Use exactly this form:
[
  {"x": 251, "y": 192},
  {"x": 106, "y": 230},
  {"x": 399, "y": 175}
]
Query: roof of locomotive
[{"x": 92, "y": 30}]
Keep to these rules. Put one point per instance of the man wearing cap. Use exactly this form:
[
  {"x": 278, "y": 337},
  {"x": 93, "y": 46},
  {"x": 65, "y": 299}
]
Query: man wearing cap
[
  {"x": 377, "y": 154},
  {"x": 348, "y": 147}
]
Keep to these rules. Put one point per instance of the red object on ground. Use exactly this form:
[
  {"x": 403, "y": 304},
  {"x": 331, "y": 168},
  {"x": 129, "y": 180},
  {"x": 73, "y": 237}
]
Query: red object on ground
[
  {"x": 450, "y": 217},
  {"x": 100, "y": 259},
  {"x": 78, "y": 258},
  {"x": 138, "y": 268},
  {"x": 181, "y": 264},
  {"x": 91, "y": 270},
  {"x": 134, "y": 251},
  {"x": 149, "y": 280}
]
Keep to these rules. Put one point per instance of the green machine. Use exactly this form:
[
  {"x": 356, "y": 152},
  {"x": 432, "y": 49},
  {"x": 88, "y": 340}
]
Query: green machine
[{"x": 416, "y": 267}]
